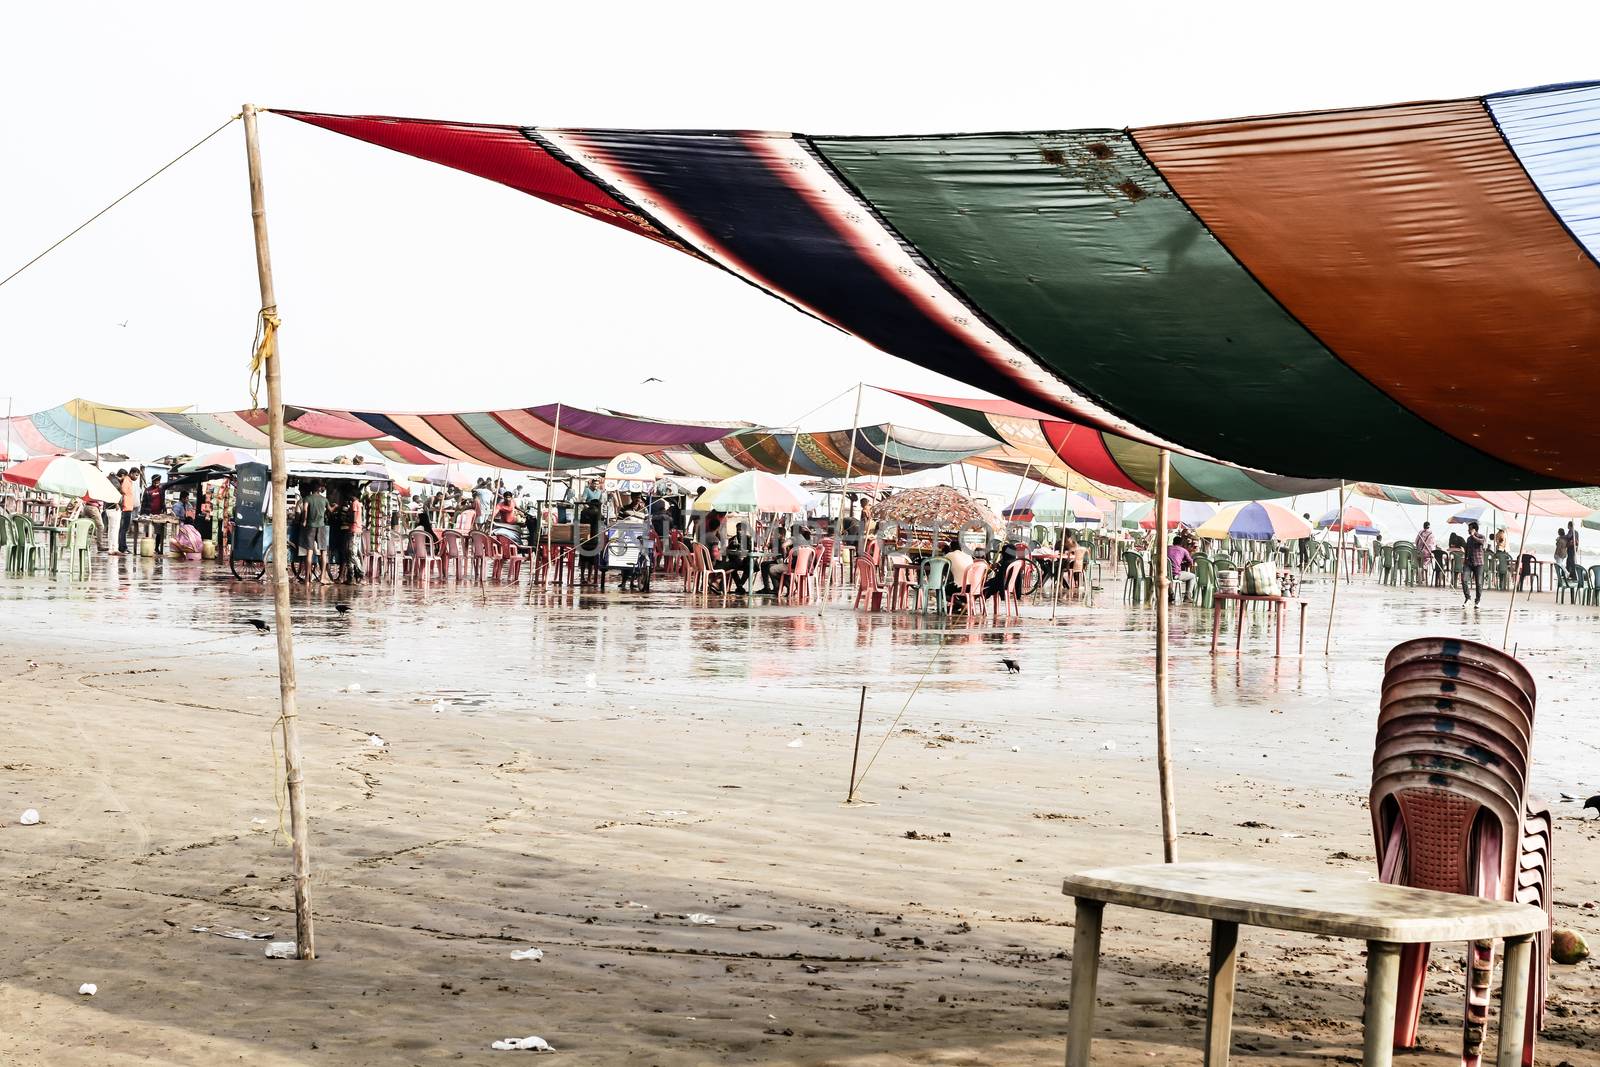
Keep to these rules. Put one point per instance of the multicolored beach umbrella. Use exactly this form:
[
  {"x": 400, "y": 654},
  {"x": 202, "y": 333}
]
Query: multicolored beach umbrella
[
  {"x": 1353, "y": 520},
  {"x": 752, "y": 491},
  {"x": 62, "y": 475},
  {"x": 1256, "y": 521},
  {"x": 1189, "y": 513},
  {"x": 1257, "y": 291}
]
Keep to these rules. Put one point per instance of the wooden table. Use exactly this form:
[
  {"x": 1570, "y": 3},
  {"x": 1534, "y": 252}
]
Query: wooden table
[
  {"x": 1320, "y": 902},
  {"x": 1244, "y": 599}
]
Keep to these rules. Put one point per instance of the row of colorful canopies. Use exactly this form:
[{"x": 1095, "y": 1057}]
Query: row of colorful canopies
[{"x": 1094, "y": 466}]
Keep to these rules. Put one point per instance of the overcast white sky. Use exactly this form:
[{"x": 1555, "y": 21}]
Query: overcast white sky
[{"x": 406, "y": 285}]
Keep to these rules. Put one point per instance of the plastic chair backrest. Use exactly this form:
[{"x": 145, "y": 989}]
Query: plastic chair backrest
[
  {"x": 800, "y": 560},
  {"x": 934, "y": 572},
  {"x": 421, "y": 543},
  {"x": 450, "y": 543},
  {"x": 80, "y": 534},
  {"x": 1015, "y": 573},
  {"x": 977, "y": 574},
  {"x": 866, "y": 575},
  {"x": 702, "y": 557},
  {"x": 480, "y": 544},
  {"x": 508, "y": 547}
]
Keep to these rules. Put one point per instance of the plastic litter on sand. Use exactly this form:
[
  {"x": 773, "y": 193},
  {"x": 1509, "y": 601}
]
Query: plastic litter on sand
[
  {"x": 282, "y": 950},
  {"x": 530, "y": 1043},
  {"x": 702, "y": 919},
  {"x": 88, "y": 989},
  {"x": 353, "y": 687},
  {"x": 375, "y": 741},
  {"x": 796, "y": 743},
  {"x": 528, "y": 954},
  {"x": 29, "y": 817}
]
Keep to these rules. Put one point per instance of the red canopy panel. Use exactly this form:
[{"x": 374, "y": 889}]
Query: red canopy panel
[
  {"x": 1410, "y": 241},
  {"x": 505, "y": 154}
]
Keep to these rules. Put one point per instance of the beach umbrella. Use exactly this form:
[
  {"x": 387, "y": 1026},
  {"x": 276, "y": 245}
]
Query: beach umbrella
[
  {"x": 62, "y": 475},
  {"x": 752, "y": 491},
  {"x": 936, "y": 507},
  {"x": 1469, "y": 514},
  {"x": 1354, "y": 520},
  {"x": 226, "y": 460},
  {"x": 1179, "y": 513},
  {"x": 1255, "y": 521},
  {"x": 444, "y": 474},
  {"x": 1036, "y": 504}
]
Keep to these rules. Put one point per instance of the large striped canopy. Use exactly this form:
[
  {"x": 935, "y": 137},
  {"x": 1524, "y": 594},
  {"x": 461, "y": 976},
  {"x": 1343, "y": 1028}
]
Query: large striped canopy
[
  {"x": 75, "y": 425},
  {"x": 1108, "y": 458},
  {"x": 1395, "y": 294},
  {"x": 885, "y": 449}
]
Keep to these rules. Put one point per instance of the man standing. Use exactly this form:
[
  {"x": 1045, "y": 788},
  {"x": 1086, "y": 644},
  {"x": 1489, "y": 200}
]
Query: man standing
[
  {"x": 130, "y": 500},
  {"x": 1305, "y": 544},
  {"x": 1572, "y": 551},
  {"x": 316, "y": 532},
  {"x": 1473, "y": 565},
  {"x": 155, "y": 504}
]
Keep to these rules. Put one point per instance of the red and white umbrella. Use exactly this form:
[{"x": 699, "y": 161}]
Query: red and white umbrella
[{"x": 62, "y": 475}]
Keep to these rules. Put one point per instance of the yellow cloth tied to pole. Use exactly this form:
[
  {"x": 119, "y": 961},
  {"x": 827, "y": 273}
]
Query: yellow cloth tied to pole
[{"x": 266, "y": 347}]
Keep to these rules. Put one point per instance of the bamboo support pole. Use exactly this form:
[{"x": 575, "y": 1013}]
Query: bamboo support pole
[
  {"x": 849, "y": 467},
  {"x": 1516, "y": 568},
  {"x": 861, "y": 715},
  {"x": 288, "y": 717},
  {"x": 1338, "y": 564},
  {"x": 550, "y": 519},
  {"x": 1169, "y": 808}
]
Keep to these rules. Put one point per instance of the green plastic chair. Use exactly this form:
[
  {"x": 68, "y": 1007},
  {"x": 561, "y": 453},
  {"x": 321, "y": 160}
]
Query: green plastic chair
[
  {"x": 5, "y": 539},
  {"x": 25, "y": 554},
  {"x": 1584, "y": 589},
  {"x": 80, "y": 545},
  {"x": 1564, "y": 586},
  {"x": 1136, "y": 587},
  {"x": 1204, "y": 593},
  {"x": 1503, "y": 571},
  {"x": 930, "y": 589},
  {"x": 1594, "y": 585}
]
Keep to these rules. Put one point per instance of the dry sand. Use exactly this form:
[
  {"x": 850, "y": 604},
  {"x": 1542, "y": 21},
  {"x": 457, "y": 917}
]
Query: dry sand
[{"x": 513, "y": 806}]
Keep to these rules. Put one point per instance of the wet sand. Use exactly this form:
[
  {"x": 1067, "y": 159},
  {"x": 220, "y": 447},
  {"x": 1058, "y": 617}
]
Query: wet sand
[{"x": 517, "y": 803}]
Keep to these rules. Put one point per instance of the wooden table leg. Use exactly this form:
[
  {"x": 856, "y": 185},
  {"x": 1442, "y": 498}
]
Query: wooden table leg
[
  {"x": 1514, "y": 1001},
  {"x": 1277, "y": 629},
  {"x": 1383, "y": 982},
  {"x": 1085, "y": 973},
  {"x": 1238, "y": 634},
  {"x": 1219, "y": 992},
  {"x": 1216, "y": 621},
  {"x": 1302, "y": 627}
]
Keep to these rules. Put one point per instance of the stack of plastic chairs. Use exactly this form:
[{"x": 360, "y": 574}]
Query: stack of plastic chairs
[{"x": 1451, "y": 810}]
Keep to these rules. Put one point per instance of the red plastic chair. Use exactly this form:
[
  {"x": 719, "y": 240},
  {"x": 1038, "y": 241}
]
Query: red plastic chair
[
  {"x": 420, "y": 555},
  {"x": 971, "y": 589},
  {"x": 482, "y": 552},
  {"x": 509, "y": 559},
  {"x": 1013, "y": 587},
  {"x": 1451, "y": 811},
  {"x": 796, "y": 581},
  {"x": 868, "y": 588},
  {"x": 452, "y": 549}
]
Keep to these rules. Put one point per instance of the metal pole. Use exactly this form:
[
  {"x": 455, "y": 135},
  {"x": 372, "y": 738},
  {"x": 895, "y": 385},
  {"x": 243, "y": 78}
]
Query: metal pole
[
  {"x": 861, "y": 715},
  {"x": 288, "y": 717},
  {"x": 849, "y": 466},
  {"x": 549, "y": 480},
  {"x": 1338, "y": 563},
  {"x": 1169, "y": 809},
  {"x": 1516, "y": 569}
]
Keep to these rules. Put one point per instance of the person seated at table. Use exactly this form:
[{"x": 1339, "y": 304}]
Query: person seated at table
[
  {"x": 776, "y": 568},
  {"x": 632, "y": 509},
  {"x": 736, "y": 558},
  {"x": 505, "y": 512},
  {"x": 995, "y": 583},
  {"x": 1180, "y": 568},
  {"x": 1078, "y": 562}
]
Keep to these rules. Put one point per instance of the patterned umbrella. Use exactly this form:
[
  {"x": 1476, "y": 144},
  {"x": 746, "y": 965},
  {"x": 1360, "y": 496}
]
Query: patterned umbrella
[
  {"x": 1179, "y": 513},
  {"x": 63, "y": 475},
  {"x": 1354, "y": 520},
  {"x": 936, "y": 507},
  {"x": 1255, "y": 521}
]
